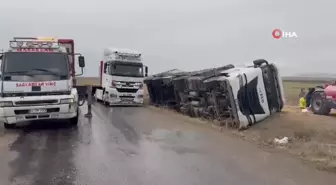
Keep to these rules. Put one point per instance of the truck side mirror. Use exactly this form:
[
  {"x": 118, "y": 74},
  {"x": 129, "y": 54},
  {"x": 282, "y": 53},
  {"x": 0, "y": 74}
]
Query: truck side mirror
[
  {"x": 1, "y": 56},
  {"x": 146, "y": 71},
  {"x": 81, "y": 61}
]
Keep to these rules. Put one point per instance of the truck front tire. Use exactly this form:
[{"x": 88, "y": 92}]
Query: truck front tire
[
  {"x": 74, "y": 120},
  {"x": 9, "y": 126},
  {"x": 105, "y": 96}
]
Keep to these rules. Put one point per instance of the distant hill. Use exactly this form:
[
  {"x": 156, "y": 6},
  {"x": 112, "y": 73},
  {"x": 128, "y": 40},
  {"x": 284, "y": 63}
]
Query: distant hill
[
  {"x": 318, "y": 75},
  {"x": 311, "y": 77}
]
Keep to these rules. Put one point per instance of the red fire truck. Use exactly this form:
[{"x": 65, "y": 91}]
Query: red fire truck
[{"x": 37, "y": 81}]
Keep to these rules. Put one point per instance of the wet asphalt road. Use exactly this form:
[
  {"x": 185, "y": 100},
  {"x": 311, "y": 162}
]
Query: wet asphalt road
[{"x": 140, "y": 146}]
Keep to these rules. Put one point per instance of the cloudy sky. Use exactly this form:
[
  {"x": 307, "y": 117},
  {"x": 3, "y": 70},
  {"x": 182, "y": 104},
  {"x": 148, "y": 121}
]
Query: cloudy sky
[{"x": 184, "y": 34}]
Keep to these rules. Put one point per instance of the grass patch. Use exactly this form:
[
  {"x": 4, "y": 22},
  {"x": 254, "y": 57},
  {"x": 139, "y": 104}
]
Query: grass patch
[{"x": 292, "y": 90}]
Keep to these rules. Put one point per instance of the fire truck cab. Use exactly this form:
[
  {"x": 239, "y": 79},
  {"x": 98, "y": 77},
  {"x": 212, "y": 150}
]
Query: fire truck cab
[{"x": 37, "y": 82}]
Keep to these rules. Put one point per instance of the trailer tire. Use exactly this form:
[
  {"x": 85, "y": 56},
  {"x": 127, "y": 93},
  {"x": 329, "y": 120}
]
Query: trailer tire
[
  {"x": 319, "y": 105},
  {"x": 9, "y": 126}
]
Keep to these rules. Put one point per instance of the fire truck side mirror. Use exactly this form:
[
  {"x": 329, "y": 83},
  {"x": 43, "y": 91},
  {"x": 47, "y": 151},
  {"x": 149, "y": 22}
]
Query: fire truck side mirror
[
  {"x": 81, "y": 61},
  {"x": 146, "y": 71}
]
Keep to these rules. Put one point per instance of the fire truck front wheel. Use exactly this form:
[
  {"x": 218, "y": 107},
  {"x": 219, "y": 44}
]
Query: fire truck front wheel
[
  {"x": 74, "y": 120},
  {"x": 9, "y": 126}
]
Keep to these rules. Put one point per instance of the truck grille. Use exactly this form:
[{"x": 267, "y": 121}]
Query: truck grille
[
  {"x": 36, "y": 94},
  {"x": 126, "y": 97},
  {"x": 35, "y": 102},
  {"x": 122, "y": 90},
  {"x": 26, "y": 111}
]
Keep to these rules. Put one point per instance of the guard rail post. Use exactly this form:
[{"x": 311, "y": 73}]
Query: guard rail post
[{"x": 89, "y": 101}]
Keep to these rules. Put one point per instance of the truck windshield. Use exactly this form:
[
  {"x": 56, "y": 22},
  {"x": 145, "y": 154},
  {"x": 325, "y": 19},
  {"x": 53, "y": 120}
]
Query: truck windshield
[
  {"x": 124, "y": 69},
  {"x": 19, "y": 66}
]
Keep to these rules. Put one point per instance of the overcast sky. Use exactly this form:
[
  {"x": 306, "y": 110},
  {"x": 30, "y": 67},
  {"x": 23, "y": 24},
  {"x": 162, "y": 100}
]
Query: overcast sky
[{"x": 184, "y": 34}]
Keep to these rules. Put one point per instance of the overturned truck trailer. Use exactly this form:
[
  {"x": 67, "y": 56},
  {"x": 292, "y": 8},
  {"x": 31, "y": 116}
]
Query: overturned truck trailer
[
  {"x": 160, "y": 88},
  {"x": 193, "y": 96},
  {"x": 234, "y": 96}
]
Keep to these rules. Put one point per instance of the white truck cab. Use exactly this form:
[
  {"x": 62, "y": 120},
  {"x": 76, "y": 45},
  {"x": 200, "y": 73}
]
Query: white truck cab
[
  {"x": 36, "y": 82},
  {"x": 251, "y": 93},
  {"x": 121, "y": 76}
]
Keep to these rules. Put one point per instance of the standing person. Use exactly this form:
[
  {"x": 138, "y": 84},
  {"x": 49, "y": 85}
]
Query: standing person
[
  {"x": 309, "y": 96},
  {"x": 89, "y": 101},
  {"x": 302, "y": 93},
  {"x": 302, "y": 100}
]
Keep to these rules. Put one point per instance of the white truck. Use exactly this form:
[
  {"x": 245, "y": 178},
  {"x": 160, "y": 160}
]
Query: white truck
[
  {"x": 235, "y": 96},
  {"x": 254, "y": 92},
  {"x": 121, "y": 77},
  {"x": 37, "y": 82}
]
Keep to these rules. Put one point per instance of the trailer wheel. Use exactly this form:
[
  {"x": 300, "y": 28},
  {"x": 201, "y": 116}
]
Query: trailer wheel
[{"x": 319, "y": 105}]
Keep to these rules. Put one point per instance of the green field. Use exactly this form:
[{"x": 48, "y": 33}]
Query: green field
[{"x": 292, "y": 90}]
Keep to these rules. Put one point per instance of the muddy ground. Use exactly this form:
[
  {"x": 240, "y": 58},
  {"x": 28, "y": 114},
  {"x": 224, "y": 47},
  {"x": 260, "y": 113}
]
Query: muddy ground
[{"x": 312, "y": 138}]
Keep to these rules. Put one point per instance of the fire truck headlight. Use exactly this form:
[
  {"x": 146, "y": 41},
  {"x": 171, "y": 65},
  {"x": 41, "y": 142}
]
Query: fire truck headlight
[
  {"x": 6, "y": 104},
  {"x": 67, "y": 101}
]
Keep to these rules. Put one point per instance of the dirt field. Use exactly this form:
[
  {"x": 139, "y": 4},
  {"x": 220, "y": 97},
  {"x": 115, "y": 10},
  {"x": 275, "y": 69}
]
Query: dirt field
[{"x": 312, "y": 137}]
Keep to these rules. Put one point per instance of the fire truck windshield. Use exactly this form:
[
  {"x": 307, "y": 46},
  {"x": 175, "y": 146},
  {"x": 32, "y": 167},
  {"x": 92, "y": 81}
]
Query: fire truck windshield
[
  {"x": 37, "y": 65},
  {"x": 127, "y": 69}
]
